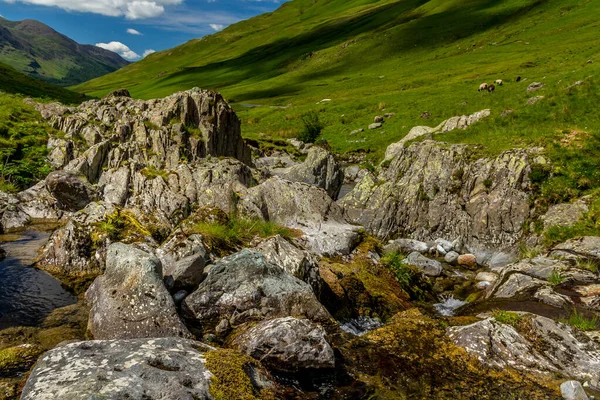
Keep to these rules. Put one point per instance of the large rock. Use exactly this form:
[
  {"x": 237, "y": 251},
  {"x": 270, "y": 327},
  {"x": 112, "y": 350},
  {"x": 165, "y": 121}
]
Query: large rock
[
  {"x": 130, "y": 300},
  {"x": 432, "y": 190},
  {"x": 565, "y": 214},
  {"x": 428, "y": 266},
  {"x": 298, "y": 262},
  {"x": 320, "y": 169},
  {"x": 35, "y": 204},
  {"x": 545, "y": 347},
  {"x": 587, "y": 247},
  {"x": 245, "y": 287},
  {"x": 153, "y": 369},
  {"x": 288, "y": 344},
  {"x": 72, "y": 192},
  {"x": 305, "y": 207}
]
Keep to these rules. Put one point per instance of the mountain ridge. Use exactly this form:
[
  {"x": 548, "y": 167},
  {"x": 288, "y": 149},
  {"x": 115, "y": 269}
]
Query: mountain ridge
[{"x": 38, "y": 50}]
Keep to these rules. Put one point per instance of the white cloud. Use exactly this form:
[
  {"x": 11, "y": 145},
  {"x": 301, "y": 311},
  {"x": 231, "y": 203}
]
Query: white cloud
[
  {"x": 217, "y": 27},
  {"x": 148, "y": 52},
  {"x": 121, "y": 49},
  {"x": 133, "y": 32},
  {"x": 131, "y": 9}
]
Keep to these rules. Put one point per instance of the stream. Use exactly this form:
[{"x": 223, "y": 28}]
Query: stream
[{"x": 27, "y": 294}]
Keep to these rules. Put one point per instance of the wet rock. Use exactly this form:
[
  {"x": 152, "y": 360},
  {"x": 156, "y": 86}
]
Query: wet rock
[
  {"x": 320, "y": 169},
  {"x": 72, "y": 192},
  {"x": 130, "y": 300},
  {"x": 467, "y": 260},
  {"x": 405, "y": 245},
  {"x": 298, "y": 262},
  {"x": 304, "y": 207},
  {"x": 245, "y": 287},
  {"x": 2, "y": 254},
  {"x": 451, "y": 257},
  {"x": 548, "y": 296},
  {"x": 517, "y": 283},
  {"x": 433, "y": 190},
  {"x": 288, "y": 345},
  {"x": 157, "y": 369},
  {"x": 547, "y": 346},
  {"x": 572, "y": 390},
  {"x": 36, "y": 203},
  {"x": 428, "y": 266}
]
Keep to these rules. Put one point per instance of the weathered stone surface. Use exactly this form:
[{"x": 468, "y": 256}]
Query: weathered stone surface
[
  {"x": 298, "y": 262},
  {"x": 129, "y": 300},
  {"x": 572, "y": 390},
  {"x": 152, "y": 369},
  {"x": 558, "y": 347},
  {"x": 245, "y": 287},
  {"x": 432, "y": 190},
  {"x": 451, "y": 257},
  {"x": 428, "y": 266},
  {"x": 516, "y": 284},
  {"x": 305, "y": 207},
  {"x": 187, "y": 273},
  {"x": 565, "y": 214},
  {"x": 548, "y": 296},
  {"x": 320, "y": 169},
  {"x": 406, "y": 245},
  {"x": 72, "y": 192},
  {"x": 534, "y": 87},
  {"x": 34, "y": 204},
  {"x": 584, "y": 247},
  {"x": 288, "y": 344},
  {"x": 467, "y": 260}
]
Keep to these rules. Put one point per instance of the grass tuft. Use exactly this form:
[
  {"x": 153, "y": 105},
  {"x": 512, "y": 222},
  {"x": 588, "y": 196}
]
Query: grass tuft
[
  {"x": 507, "y": 317},
  {"x": 580, "y": 321}
]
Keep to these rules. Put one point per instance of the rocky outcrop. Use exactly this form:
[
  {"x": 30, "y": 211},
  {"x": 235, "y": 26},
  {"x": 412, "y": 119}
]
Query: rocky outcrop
[
  {"x": 298, "y": 262},
  {"x": 434, "y": 190},
  {"x": 245, "y": 287},
  {"x": 288, "y": 345},
  {"x": 130, "y": 301},
  {"x": 157, "y": 369},
  {"x": 305, "y": 207},
  {"x": 72, "y": 192},
  {"x": 458, "y": 122},
  {"x": 35, "y": 204},
  {"x": 543, "y": 346},
  {"x": 320, "y": 169}
]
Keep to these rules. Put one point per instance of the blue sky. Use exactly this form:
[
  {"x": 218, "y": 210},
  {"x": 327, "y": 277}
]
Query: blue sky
[{"x": 135, "y": 27}]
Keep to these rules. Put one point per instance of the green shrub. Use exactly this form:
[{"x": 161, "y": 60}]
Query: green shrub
[
  {"x": 311, "y": 127},
  {"x": 580, "y": 321}
]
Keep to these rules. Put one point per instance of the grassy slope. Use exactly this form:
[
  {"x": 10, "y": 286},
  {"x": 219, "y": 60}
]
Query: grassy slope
[
  {"x": 12, "y": 81},
  {"x": 405, "y": 56}
]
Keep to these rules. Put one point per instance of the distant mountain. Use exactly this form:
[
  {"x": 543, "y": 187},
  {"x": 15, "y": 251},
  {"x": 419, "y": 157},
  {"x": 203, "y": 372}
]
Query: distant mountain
[
  {"x": 12, "y": 81},
  {"x": 39, "y": 51}
]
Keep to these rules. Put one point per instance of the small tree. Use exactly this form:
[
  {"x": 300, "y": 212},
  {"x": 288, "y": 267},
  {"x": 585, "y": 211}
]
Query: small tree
[{"x": 312, "y": 127}]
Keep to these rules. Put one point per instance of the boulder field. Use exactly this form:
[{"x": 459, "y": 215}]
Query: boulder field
[{"x": 215, "y": 274}]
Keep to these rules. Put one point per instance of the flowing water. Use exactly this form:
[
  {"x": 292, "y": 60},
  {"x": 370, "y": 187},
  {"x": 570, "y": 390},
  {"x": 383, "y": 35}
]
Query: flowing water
[{"x": 27, "y": 295}]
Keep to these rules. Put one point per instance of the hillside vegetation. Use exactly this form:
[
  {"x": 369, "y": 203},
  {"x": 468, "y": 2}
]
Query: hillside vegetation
[
  {"x": 404, "y": 57},
  {"x": 39, "y": 51}
]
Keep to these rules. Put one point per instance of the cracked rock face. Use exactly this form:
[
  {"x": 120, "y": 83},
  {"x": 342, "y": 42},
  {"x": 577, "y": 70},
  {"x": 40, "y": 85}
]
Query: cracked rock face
[
  {"x": 130, "y": 299},
  {"x": 153, "y": 369},
  {"x": 434, "y": 190}
]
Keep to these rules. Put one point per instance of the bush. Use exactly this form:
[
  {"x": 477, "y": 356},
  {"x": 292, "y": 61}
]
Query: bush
[{"x": 312, "y": 127}]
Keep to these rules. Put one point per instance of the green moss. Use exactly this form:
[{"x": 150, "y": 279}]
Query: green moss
[
  {"x": 151, "y": 173},
  {"x": 507, "y": 317},
  {"x": 230, "y": 380},
  {"x": 151, "y": 126},
  {"x": 120, "y": 226},
  {"x": 19, "y": 358}
]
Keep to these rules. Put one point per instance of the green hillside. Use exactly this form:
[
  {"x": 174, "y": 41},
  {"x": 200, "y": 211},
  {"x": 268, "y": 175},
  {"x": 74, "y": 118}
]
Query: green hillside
[
  {"x": 12, "y": 81},
  {"x": 403, "y": 56},
  {"x": 39, "y": 51}
]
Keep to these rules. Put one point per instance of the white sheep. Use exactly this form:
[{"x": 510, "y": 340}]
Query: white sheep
[
  {"x": 483, "y": 87},
  {"x": 499, "y": 82}
]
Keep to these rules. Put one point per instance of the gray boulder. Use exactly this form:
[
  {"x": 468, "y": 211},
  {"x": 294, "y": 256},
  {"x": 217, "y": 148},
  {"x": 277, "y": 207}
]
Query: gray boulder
[
  {"x": 406, "y": 245},
  {"x": 245, "y": 287},
  {"x": 130, "y": 299},
  {"x": 565, "y": 214},
  {"x": 320, "y": 169},
  {"x": 288, "y": 344},
  {"x": 534, "y": 86},
  {"x": 187, "y": 273},
  {"x": 451, "y": 257},
  {"x": 587, "y": 247},
  {"x": 298, "y": 262},
  {"x": 434, "y": 190},
  {"x": 554, "y": 347},
  {"x": 428, "y": 266},
  {"x": 304, "y": 207},
  {"x": 72, "y": 192},
  {"x": 572, "y": 390},
  {"x": 156, "y": 369}
]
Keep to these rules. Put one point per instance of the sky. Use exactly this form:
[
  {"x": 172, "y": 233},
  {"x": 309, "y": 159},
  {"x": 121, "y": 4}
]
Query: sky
[{"x": 135, "y": 28}]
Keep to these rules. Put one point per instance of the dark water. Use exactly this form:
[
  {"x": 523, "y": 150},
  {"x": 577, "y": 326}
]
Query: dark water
[{"x": 27, "y": 295}]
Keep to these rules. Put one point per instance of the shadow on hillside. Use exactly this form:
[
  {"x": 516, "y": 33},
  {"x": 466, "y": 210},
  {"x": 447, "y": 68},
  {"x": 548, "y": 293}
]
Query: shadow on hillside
[{"x": 410, "y": 29}]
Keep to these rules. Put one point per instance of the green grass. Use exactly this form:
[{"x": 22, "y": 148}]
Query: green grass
[
  {"x": 507, "y": 317},
  {"x": 23, "y": 138},
  {"x": 15, "y": 82},
  {"x": 237, "y": 232},
  {"x": 555, "y": 277},
  {"x": 582, "y": 322}
]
